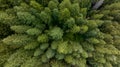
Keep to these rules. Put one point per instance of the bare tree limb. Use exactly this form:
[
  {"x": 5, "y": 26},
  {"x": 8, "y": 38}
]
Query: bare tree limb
[{"x": 98, "y": 4}]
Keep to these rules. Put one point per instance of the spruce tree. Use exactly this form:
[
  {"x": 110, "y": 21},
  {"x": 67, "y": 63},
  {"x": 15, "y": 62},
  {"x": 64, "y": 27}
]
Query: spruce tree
[{"x": 59, "y": 33}]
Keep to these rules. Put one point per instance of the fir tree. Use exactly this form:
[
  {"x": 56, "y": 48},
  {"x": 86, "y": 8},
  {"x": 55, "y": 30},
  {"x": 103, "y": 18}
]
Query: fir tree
[{"x": 59, "y": 33}]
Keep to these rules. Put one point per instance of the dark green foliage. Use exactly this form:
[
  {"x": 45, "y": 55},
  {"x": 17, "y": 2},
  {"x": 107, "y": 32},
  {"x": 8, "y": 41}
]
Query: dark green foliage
[
  {"x": 59, "y": 33},
  {"x": 5, "y": 30}
]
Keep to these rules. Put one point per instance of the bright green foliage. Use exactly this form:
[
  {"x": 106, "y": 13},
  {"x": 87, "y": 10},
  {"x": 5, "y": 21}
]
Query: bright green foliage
[
  {"x": 59, "y": 33},
  {"x": 35, "y": 5},
  {"x": 56, "y": 33},
  {"x": 62, "y": 48},
  {"x": 65, "y": 4},
  {"x": 64, "y": 14},
  {"x": 5, "y": 52},
  {"x": 44, "y": 46},
  {"x": 56, "y": 63},
  {"x": 31, "y": 62},
  {"x": 20, "y": 55},
  {"x": 75, "y": 29},
  {"x": 38, "y": 52},
  {"x": 20, "y": 28},
  {"x": 6, "y": 18},
  {"x": 33, "y": 31},
  {"x": 45, "y": 17},
  {"x": 75, "y": 9},
  {"x": 84, "y": 11},
  {"x": 31, "y": 45},
  {"x": 84, "y": 29},
  {"x": 93, "y": 40},
  {"x": 50, "y": 53},
  {"x": 92, "y": 24},
  {"x": 70, "y": 60},
  {"x": 112, "y": 11},
  {"x": 108, "y": 49},
  {"x": 97, "y": 16},
  {"x": 17, "y": 39},
  {"x": 52, "y": 5},
  {"x": 59, "y": 56},
  {"x": 25, "y": 17},
  {"x": 55, "y": 44},
  {"x": 70, "y": 23},
  {"x": 42, "y": 38},
  {"x": 88, "y": 47}
]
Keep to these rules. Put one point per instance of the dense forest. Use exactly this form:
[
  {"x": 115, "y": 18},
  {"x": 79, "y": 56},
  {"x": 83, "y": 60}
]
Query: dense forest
[{"x": 59, "y": 33}]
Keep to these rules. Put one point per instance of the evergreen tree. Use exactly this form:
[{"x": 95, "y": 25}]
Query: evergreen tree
[{"x": 59, "y": 33}]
